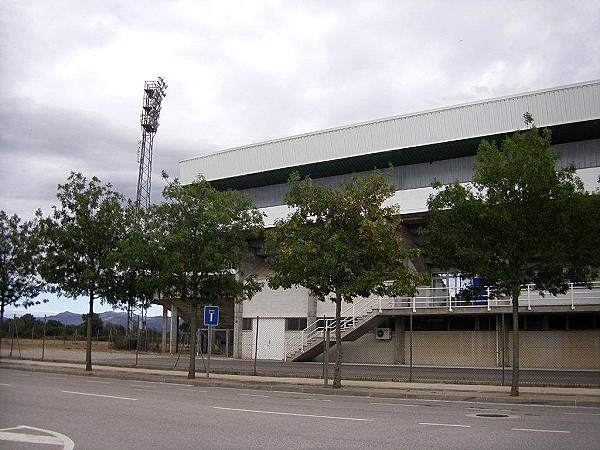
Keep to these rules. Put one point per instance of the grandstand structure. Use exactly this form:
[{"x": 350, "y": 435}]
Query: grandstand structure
[{"x": 420, "y": 147}]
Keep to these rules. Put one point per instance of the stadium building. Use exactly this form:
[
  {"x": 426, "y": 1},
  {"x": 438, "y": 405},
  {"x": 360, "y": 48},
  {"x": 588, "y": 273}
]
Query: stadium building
[{"x": 436, "y": 327}]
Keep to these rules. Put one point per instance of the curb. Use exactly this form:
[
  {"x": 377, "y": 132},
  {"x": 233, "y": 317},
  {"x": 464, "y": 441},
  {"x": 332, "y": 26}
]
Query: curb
[{"x": 441, "y": 393}]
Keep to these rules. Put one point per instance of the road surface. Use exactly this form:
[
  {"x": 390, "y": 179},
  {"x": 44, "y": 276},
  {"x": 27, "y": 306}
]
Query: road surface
[{"x": 95, "y": 413}]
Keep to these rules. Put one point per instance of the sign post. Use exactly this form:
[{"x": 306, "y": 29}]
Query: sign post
[{"x": 211, "y": 319}]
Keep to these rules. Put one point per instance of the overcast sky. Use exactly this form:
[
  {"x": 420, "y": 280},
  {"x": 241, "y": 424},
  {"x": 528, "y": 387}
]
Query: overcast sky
[{"x": 72, "y": 74}]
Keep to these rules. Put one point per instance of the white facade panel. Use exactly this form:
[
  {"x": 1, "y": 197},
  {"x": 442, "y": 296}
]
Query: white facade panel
[
  {"x": 561, "y": 105},
  {"x": 277, "y": 303}
]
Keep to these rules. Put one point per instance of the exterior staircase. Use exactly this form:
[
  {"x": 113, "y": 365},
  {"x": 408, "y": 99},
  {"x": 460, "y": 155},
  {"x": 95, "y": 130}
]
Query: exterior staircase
[{"x": 355, "y": 322}]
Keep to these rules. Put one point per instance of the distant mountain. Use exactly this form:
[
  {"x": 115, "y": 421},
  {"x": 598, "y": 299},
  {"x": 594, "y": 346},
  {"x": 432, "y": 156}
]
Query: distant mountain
[{"x": 114, "y": 317}]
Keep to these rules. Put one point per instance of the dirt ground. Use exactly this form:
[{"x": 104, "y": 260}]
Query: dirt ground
[{"x": 52, "y": 343}]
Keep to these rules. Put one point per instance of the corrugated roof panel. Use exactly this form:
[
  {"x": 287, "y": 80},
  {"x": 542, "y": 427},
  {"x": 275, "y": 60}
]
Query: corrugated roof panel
[{"x": 566, "y": 104}]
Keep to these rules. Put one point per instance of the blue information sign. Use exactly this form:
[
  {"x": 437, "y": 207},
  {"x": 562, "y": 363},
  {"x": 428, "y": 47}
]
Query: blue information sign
[{"x": 211, "y": 315}]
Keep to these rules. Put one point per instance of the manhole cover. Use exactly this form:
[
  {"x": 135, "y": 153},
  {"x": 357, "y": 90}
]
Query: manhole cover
[{"x": 493, "y": 416}]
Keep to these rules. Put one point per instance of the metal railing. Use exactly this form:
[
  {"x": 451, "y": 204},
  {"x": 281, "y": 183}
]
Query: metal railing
[{"x": 443, "y": 298}]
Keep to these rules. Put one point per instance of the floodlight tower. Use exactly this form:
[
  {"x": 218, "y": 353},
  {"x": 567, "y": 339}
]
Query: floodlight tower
[{"x": 154, "y": 92}]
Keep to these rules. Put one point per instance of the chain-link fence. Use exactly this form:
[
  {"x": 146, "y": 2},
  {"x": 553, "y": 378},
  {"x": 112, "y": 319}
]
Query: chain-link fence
[{"x": 554, "y": 348}]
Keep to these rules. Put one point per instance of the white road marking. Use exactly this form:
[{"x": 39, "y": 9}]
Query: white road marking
[
  {"x": 294, "y": 414},
  {"x": 4, "y": 384},
  {"x": 256, "y": 395},
  {"x": 55, "y": 438},
  {"x": 444, "y": 425},
  {"x": 193, "y": 390},
  {"x": 541, "y": 431},
  {"x": 99, "y": 395},
  {"x": 582, "y": 414},
  {"x": 394, "y": 404}
]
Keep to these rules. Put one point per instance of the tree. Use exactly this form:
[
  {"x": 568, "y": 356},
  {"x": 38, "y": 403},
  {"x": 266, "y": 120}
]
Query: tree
[
  {"x": 79, "y": 240},
  {"x": 341, "y": 244},
  {"x": 97, "y": 324},
  {"x": 136, "y": 261},
  {"x": 20, "y": 282},
  {"x": 516, "y": 223},
  {"x": 54, "y": 328},
  {"x": 202, "y": 241}
]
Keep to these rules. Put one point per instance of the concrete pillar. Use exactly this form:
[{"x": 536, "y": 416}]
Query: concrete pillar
[
  {"x": 311, "y": 311},
  {"x": 163, "y": 344},
  {"x": 174, "y": 329},
  {"x": 238, "y": 320},
  {"x": 399, "y": 340}
]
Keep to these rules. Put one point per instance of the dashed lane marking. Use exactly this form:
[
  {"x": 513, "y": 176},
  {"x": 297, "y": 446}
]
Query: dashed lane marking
[
  {"x": 444, "y": 425},
  {"x": 100, "y": 395},
  {"x": 541, "y": 431},
  {"x": 293, "y": 414}
]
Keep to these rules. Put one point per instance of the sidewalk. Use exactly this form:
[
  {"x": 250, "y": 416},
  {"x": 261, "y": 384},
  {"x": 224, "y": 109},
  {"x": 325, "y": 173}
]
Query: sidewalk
[{"x": 377, "y": 389}]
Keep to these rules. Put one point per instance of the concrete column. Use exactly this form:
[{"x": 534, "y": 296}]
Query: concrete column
[
  {"x": 174, "y": 329},
  {"x": 399, "y": 340},
  {"x": 238, "y": 320},
  {"x": 311, "y": 311},
  {"x": 163, "y": 344}
]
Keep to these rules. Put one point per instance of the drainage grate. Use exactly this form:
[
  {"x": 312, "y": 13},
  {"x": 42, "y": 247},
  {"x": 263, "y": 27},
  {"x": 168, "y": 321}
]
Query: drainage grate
[{"x": 493, "y": 416}]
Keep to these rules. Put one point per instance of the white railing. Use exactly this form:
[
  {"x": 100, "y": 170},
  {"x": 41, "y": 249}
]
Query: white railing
[{"x": 443, "y": 298}]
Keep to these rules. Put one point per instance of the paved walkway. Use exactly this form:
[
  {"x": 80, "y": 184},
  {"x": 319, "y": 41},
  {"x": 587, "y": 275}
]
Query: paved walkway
[{"x": 73, "y": 363}]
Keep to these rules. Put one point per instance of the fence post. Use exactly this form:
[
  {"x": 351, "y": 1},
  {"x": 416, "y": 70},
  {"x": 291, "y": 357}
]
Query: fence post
[
  {"x": 256, "y": 346},
  {"x": 414, "y": 304},
  {"x": 410, "y": 351},
  {"x": 529, "y": 297},
  {"x": 571, "y": 286},
  {"x": 44, "y": 337},
  {"x": 325, "y": 352}
]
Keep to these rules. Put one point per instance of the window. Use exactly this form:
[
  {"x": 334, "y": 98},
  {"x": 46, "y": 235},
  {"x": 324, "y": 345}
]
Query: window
[
  {"x": 581, "y": 322},
  {"x": 430, "y": 324},
  {"x": 295, "y": 323},
  {"x": 461, "y": 323},
  {"x": 247, "y": 324}
]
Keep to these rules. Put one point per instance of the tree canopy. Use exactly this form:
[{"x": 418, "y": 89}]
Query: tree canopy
[
  {"x": 20, "y": 282},
  {"x": 80, "y": 239},
  {"x": 518, "y": 222},
  {"x": 341, "y": 244},
  {"x": 202, "y": 237}
]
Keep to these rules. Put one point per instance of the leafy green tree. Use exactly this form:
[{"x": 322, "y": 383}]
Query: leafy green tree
[
  {"x": 341, "y": 244},
  {"x": 54, "y": 328},
  {"x": 79, "y": 240},
  {"x": 20, "y": 282},
  {"x": 516, "y": 223},
  {"x": 202, "y": 241},
  {"x": 136, "y": 261},
  {"x": 97, "y": 324}
]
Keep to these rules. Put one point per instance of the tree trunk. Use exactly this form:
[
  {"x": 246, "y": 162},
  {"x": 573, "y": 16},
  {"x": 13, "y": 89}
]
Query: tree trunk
[
  {"x": 514, "y": 387},
  {"x": 337, "y": 372},
  {"x": 1, "y": 327},
  {"x": 192, "y": 368},
  {"x": 88, "y": 347}
]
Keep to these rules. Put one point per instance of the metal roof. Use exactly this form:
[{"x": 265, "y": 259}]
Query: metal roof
[{"x": 572, "y": 113}]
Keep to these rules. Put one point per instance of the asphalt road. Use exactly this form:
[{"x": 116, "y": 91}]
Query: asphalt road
[{"x": 91, "y": 413}]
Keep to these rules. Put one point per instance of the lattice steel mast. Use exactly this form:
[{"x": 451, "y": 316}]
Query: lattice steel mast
[{"x": 154, "y": 92}]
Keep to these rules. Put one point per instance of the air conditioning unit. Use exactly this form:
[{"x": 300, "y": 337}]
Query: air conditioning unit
[{"x": 383, "y": 334}]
